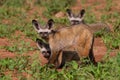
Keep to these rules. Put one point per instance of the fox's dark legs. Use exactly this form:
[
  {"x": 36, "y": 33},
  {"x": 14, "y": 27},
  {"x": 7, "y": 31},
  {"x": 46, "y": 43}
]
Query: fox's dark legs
[
  {"x": 60, "y": 60},
  {"x": 57, "y": 59},
  {"x": 53, "y": 57},
  {"x": 91, "y": 54}
]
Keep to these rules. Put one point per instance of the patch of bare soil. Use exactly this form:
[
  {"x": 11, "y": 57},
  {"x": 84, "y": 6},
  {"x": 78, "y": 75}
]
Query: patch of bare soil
[
  {"x": 60, "y": 14},
  {"x": 6, "y": 54},
  {"x": 42, "y": 59},
  {"x": 14, "y": 74},
  {"x": 6, "y": 21},
  {"x": 37, "y": 53},
  {"x": 35, "y": 10},
  {"x": 116, "y": 5},
  {"x": 4, "y": 42},
  {"x": 25, "y": 39},
  {"x": 100, "y": 50}
]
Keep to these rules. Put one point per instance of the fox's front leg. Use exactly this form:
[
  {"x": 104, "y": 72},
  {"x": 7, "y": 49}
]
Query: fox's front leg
[
  {"x": 59, "y": 63},
  {"x": 53, "y": 57}
]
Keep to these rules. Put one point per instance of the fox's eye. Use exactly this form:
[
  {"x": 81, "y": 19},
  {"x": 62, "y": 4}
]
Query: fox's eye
[
  {"x": 46, "y": 32},
  {"x": 40, "y": 32}
]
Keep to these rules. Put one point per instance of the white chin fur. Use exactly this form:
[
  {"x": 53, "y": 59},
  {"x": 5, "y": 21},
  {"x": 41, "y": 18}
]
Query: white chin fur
[
  {"x": 44, "y": 30},
  {"x": 77, "y": 19},
  {"x": 43, "y": 49}
]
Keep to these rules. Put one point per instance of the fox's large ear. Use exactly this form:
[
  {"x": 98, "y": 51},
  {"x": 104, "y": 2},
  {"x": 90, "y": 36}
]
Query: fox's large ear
[
  {"x": 50, "y": 23},
  {"x": 36, "y": 25},
  {"x": 69, "y": 12},
  {"x": 82, "y": 12},
  {"x": 40, "y": 43}
]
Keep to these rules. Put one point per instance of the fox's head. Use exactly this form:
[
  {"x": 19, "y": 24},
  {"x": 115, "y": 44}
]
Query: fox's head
[
  {"x": 43, "y": 32},
  {"x": 75, "y": 19},
  {"x": 44, "y": 48}
]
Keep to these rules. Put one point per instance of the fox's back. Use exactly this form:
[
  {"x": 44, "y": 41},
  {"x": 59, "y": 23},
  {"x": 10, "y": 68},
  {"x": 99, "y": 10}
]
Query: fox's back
[{"x": 70, "y": 36}]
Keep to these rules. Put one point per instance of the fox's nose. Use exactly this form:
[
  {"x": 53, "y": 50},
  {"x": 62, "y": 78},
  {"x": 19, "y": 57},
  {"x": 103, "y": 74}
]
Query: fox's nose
[{"x": 49, "y": 52}]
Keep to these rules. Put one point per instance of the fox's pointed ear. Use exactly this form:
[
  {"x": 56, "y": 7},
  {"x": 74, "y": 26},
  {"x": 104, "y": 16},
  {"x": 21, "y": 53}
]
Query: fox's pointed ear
[
  {"x": 50, "y": 23},
  {"x": 36, "y": 25},
  {"x": 82, "y": 12},
  {"x": 39, "y": 43},
  {"x": 69, "y": 12}
]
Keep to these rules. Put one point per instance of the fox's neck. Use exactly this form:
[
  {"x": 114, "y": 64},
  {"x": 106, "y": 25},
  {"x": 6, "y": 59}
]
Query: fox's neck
[
  {"x": 46, "y": 39},
  {"x": 53, "y": 32}
]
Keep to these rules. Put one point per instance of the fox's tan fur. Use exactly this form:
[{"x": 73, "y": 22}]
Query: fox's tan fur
[{"x": 95, "y": 27}]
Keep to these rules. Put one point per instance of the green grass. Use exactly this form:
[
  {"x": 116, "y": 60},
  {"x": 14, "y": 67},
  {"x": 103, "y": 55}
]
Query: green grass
[
  {"x": 15, "y": 16},
  {"x": 54, "y": 6},
  {"x": 108, "y": 5},
  {"x": 108, "y": 70},
  {"x": 89, "y": 17},
  {"x": 83, "y": 1},
  {"x": 19, "y": 47},
  {"x": 112, "y": 41}
]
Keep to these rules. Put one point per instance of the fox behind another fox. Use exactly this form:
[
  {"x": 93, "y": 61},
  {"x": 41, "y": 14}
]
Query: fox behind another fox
[
  {"x": 79, "y": 19},
  {"x": 77, "y": 38}
]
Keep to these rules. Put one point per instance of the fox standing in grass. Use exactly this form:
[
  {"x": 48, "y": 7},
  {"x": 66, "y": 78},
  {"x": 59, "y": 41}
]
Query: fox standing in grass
[
  {"x": 79, "y": 19},
  {"x": 77, "y": 38}
]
